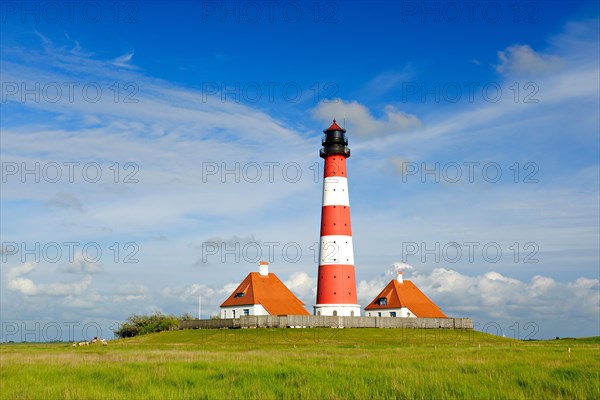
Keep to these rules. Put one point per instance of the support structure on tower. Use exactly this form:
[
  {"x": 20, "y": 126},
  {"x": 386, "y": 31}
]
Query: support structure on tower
[{"x": 336, "y": 287}]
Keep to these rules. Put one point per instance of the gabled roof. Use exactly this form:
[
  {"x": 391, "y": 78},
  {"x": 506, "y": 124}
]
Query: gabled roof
[
  {"x": 268, "y": 291},
  {"x": 406, "y": 294}
]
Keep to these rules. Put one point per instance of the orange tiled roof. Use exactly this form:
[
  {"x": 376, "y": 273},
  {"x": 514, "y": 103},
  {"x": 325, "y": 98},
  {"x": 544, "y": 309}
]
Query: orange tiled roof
[
  {"x": 269, "y": 292},
  {"x": 407, "y": 295}
]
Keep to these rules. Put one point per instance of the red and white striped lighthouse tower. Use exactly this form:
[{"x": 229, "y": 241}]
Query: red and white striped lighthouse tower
[{"x": 336, "y": 287}]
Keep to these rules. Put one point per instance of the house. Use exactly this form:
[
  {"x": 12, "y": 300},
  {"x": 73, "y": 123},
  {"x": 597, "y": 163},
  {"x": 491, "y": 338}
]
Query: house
[
  {"x": 262, "y": 293},
  {"x": 401, "y": 298}
]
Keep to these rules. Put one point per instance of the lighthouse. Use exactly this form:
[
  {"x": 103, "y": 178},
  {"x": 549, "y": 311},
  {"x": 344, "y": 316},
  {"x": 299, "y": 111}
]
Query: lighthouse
[{"x": 336, "y": 287}]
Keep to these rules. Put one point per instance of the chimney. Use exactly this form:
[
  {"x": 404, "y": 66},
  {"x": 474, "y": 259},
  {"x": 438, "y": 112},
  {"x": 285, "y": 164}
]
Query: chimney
[
  {"x": 263, "y": 268},
  {"x": 400, "y": 279}
]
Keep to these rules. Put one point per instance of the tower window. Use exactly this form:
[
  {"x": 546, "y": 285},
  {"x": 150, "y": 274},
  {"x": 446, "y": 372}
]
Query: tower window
[
  {"x": 382, "y": 301},
  {"x": 239, "y": 294}
]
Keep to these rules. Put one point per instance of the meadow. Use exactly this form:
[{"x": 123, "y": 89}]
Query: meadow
[{"x": 305, "y": 363}]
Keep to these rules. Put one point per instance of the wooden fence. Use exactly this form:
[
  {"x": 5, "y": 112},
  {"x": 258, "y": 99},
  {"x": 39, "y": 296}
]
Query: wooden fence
[{"x": 320, "y": 321}]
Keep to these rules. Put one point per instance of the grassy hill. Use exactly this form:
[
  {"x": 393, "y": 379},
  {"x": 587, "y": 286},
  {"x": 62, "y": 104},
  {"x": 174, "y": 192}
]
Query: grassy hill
[{"x": 305, "y": 363}]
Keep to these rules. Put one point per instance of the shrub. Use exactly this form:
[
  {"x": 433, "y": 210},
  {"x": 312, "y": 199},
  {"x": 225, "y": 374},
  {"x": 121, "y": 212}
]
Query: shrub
[
  {"x": 142, "y": 324},
  {"x": 187, "y": 317}
]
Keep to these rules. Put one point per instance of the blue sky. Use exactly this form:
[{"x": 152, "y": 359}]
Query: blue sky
[{"x": 171, "y": 143}]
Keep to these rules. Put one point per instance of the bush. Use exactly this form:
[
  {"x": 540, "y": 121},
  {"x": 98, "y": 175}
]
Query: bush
[
  {"x": 142, "y": 324},
  {"x": 187, "y": 317}
]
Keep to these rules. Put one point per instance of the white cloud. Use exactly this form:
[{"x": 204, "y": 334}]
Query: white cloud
[
  {"x": 132, "y": 291},
  {"x": 82, "y": 265},
  {"x": 28, "y": 287},
  {"x": 302, "y": 285},
  {"x": 193, "y": 291},
  {"x": 362, "y": 123},
  {"x": 132, "y": 288},
  {"x": 497, "y": 296},
  {"x": 522, "y": 59},
  {"x": 22, "y": 269}
]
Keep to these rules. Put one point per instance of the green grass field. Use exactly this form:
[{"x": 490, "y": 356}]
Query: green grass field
[{"x": 305, "y": 363}]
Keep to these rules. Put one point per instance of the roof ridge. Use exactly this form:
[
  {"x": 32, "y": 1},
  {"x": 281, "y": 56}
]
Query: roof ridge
[
  {"x": 395, "y": 284},
  {"x": 252, "y": 285}
]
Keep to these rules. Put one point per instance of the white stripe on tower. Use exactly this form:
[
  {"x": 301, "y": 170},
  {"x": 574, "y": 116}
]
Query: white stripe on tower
[
  {"x": 335, "y": 191},
  {"x": 336, "y": 250}
]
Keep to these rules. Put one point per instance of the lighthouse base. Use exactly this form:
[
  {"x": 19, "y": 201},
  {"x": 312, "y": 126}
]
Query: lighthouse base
[{"x": 341, "y": 310}]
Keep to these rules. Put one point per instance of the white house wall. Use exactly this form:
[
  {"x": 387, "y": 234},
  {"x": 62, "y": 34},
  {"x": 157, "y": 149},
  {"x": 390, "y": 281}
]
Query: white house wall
[
  {"x": 385, "y": 312},
  {"x": 253, "y": 309}
]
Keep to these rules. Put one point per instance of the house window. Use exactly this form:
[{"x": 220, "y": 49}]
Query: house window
[
  {"x": 383, "y": 301},
  {"x": 239, "y": 294},
  {"x": 379, "y": 314},
  {"x": 246, "y": 311},
  {"x": 392, "y": 313},
  {"x": 233, "y": 311},
  {"x": 335, "y": 313}
]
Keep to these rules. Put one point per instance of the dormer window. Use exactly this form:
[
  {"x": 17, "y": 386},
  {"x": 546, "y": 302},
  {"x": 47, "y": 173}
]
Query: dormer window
[
  {"x": 382, "y": 301},
  {"x": 239, "y": 294}
]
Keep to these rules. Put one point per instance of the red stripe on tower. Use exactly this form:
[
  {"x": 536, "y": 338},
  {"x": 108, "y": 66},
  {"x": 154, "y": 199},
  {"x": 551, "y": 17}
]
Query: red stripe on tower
[{"x": 336, "y": 287}]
